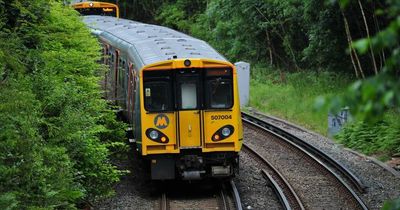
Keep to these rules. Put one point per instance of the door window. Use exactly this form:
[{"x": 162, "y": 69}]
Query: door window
[{"x": 188, "y": 95}]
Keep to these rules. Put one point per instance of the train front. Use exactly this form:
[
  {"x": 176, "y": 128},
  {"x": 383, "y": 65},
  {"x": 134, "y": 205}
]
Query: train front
[
  {"x": 190, "y": 119},
  {"x": 96, "y": 8}
]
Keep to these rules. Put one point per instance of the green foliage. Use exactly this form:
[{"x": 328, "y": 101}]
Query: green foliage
[
  {"x": 56, "y": 131},
  {"x": 290, "y": 33},
  {"x": 291, "y": 96},
  {"x": 392, "y": 205},
  {"x": 380, "y": 138},
  {"x": 369, "y": 99}
]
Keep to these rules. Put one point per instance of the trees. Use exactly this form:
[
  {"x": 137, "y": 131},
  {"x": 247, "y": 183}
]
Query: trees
[
  {"x": 371, "y": 97},
  {"x": 55, "y": 129}
]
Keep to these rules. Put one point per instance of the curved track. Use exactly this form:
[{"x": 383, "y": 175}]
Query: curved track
[
  {"x": 317, "y": 185},
  {"x": 285, "y": 192},
  {"x": 354, "y": 180}
]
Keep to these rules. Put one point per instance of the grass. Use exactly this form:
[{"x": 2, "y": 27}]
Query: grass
[{"x": 292, "y": 96}]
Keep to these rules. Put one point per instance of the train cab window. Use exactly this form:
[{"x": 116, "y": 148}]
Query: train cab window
[
  {"x": 158, "y": 91},
  {"x": 219, "y": 89}
]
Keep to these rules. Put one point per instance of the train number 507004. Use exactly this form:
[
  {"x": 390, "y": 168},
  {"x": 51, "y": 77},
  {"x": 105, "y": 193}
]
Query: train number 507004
[{"x": 221, "y": 117}]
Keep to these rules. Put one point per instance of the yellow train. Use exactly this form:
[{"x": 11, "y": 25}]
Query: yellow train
[
  {"x": 95, "y": 8},
  {"x": 179, "y": 95}
]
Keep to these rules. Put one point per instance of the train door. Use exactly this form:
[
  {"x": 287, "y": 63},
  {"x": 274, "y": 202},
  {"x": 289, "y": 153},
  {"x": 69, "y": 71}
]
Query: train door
[
  {"x": 115, "y": 78},
  {"x": 189, "y": 103}
]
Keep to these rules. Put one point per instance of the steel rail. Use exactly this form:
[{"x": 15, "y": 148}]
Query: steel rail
[
  {"x": 271, "y": 129},
  {"x": 224, "y": 199},
  {"x": 295, "y": 200},
  {"x": 355, "y": 181},
  {"x": 164, "y": 201},
  {"x": 278, "y": 190},
  {"x": 236, "y": 196}
]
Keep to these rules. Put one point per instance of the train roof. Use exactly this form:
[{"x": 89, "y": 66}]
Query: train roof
[{"x": 148, "y": 43}]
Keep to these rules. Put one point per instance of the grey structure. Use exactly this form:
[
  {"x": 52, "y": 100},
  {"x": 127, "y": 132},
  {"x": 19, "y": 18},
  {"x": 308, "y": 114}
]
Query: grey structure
[
  {"x": 243, "y": 74},
  {"x": 336, "y": 122},
  {"x": 147, "y": 44}
]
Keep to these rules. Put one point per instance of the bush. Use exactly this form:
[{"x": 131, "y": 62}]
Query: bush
[
  {"x": 382, "y": 138},
  {"x": 56, "y": 131},
  {"x": 292, "y": 95}
]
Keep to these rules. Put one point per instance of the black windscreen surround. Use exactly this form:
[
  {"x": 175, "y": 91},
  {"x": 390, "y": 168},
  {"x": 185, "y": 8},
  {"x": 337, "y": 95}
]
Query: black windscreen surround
[
  {"x": 98, "y": 11},
  {"x": 219, "y": 89},
  {"x": 188, "y": 89},
  {"x": 158, "y": 91},
  {"x": 219, "y": 92}
]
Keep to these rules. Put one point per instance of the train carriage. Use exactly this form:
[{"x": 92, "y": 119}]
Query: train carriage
[{"x": 179, "y": 95}]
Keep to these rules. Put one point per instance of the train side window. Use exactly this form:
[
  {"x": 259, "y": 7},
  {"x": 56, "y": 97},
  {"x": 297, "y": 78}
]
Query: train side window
[
  {"x": 158, "y": 91},
  {"x": 219, "y": 89}
]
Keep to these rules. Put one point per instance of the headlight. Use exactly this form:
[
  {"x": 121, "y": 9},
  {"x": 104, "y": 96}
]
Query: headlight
[
  {"x": 153, "y": 134},
  {"x": 226, "y": 132},
  {"x": 223, "y": 133},
  {"x": 157, "y": 136}
]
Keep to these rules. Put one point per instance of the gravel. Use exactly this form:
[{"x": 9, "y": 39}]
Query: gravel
[
  {"x": 381, "y": 183},
  {"x": 254, "y": 190},
  {"x": 302, "y": 172},
  {"x": 135, "y": 190}
]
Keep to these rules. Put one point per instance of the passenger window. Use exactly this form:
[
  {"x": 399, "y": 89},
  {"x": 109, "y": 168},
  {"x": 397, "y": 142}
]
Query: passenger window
[{"x": 188, "y": 96}]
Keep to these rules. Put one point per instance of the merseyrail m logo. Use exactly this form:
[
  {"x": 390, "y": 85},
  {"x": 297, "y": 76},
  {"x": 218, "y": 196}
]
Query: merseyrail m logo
[{"x": 161, "y": 121}]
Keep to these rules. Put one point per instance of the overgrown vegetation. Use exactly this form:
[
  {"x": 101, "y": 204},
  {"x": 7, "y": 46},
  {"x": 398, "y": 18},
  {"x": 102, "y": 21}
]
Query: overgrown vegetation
[
  {"x": 291, "y": 96},
  {"x": 381, "y": 138},
  {"x": 56, "y": 133}
]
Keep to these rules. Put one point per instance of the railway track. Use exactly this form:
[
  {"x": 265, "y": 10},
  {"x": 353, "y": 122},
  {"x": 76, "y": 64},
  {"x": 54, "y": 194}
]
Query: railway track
[
  {"x": 224, "y": 197},
  {"x": 306, "y": 177}
]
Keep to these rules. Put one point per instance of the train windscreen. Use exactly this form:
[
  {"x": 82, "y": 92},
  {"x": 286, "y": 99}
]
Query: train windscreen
[
  {"x": 188, "y": 89},
  {"x": 98, "y": 11},
  {"x": 158, "y": 91},
  {"x": 219, "y": 89}
]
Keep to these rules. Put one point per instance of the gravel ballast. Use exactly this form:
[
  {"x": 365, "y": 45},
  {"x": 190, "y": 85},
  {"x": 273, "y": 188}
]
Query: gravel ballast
[{"x": 382, "y": 184}]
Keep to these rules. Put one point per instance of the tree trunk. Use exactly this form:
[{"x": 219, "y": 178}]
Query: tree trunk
[
  {"x": 368, "y": 36},
  {"x": 269, "y": 48},
  {"x": 382, "y": 56},
  {"x": 353, "y": 53}
]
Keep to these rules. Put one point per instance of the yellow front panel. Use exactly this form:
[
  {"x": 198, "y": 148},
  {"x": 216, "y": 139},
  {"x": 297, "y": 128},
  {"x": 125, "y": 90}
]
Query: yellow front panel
[
  {"x": 189, "y": 129},
  {"x": 164, "y": 122},
  {"x": 214, "y": 120}
]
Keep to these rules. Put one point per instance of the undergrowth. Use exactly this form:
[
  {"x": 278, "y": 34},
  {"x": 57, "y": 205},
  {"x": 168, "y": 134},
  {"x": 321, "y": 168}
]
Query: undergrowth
[
  {"x": 292, "y": 96},
  {"x": 381, "y": 138}
]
